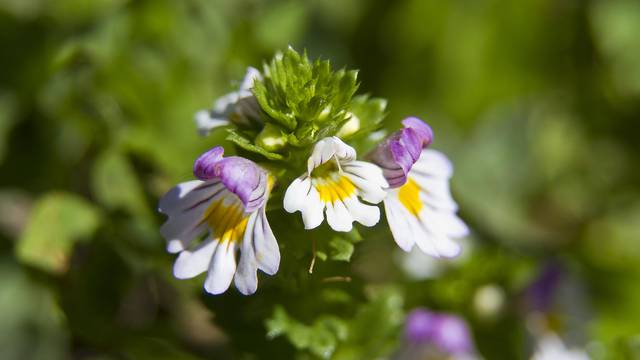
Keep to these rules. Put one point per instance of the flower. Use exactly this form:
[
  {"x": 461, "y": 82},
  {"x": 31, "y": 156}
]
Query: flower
[
  {"x": 229, "y": 201},
  {"x": 550, "y": 347},
  {"x": 335, "y": 181},
  {"x": 238, "y": 106},
  {"x": 419, "y": 206},
  {"x": 541, "y": 294},
  {"x": 397, "y": 154},
  {"x": 448, "y": 334}
]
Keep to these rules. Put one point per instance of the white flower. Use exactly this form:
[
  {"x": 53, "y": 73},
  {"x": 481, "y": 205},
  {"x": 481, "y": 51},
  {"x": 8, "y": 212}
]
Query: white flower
[
  {"x": 334, "y": 182},
  {"x": 240, "y": 104},
  {"x": 552, "y": 348},
  {"x": 422, "y": 210},
  {"x": 230, "y": 208}
]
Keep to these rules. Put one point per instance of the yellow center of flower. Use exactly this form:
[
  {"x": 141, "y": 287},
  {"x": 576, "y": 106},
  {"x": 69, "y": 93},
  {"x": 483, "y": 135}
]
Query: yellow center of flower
[
  {"x": 334, "y": 188},
  {"x": 226, "y": 219},
  {"x": 409, "y": 195}
]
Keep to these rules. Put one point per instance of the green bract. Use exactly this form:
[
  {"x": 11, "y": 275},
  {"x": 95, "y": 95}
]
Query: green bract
[{"x": 301, "y": 102}]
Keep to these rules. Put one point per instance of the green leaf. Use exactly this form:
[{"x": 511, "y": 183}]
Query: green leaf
[
  {"x": 341, "y": 249},
  {"x": 115, "y": 184},
  {"x": 321, "y": 338},
  {"x": 57, "y": 222},
  {"x": 246, "y": 144},
  {"x": 32, "y": 325}
]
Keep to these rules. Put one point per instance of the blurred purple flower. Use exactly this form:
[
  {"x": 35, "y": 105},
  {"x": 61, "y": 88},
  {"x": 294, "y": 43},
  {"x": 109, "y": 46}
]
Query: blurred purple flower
[
  {"x": 448, "y": 333},
  {"x": 540, "y": 294}
]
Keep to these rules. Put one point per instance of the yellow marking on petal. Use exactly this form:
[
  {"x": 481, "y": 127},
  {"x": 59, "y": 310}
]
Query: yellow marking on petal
[
  {"x": 226, "y": 220},
  {"x": 335, "y": 189},
  {"x": 409, "y": 195}
]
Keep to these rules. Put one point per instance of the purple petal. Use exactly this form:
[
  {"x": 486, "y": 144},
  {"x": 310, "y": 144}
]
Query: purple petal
[
  {"x": 203, "y": 168},
  {"x": 421, "y": 127},
  {"x": 448, "y": 333},
  {"x": 397, "y": 154},
  {"x": 239, "y": 175}
]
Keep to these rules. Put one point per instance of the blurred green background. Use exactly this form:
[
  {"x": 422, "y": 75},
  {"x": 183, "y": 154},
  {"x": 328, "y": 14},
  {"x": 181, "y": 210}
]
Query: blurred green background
[{"x": 537, "y": 102}]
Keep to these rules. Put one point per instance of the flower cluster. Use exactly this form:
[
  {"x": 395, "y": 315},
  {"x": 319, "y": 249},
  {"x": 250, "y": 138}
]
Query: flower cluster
[{"x": 293, "y": 123}]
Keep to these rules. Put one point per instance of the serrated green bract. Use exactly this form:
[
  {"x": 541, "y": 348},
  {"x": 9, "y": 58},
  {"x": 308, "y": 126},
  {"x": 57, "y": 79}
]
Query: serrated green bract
[
  {"x": 246, "y": 144},
  {"x": 305, "y": 98}
]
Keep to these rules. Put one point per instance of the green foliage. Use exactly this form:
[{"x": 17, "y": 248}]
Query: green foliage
[
  {"x": 321, "y": 338},
  {"x": 535, "y": 102},
  {"x": 298, "y": 93},
  {"x": 341, "y": 249},
  {"x": 32, "y": 325},
  {"x": 246, "y": 144},
  {"x": 116, "y": 186},
  {"x": 7, "y": 119},
  {"x": 57, "y": 222}
]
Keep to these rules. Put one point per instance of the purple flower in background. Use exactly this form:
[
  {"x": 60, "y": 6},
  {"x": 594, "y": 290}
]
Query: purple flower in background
[
  {"x": 397, "y": 154},
  {"x": 447, "y": 333},
  {"x": 228, "y": 203},
  {"x": 539, "y": 296}
]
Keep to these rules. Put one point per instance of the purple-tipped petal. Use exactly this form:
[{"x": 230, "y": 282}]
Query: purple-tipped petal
[
  {"x": 397, "y": 154},
  {"x": 448, "y": 333},
  {"x": 239, "y": 175},
  {"x": 421, "y": 127},
  {"x": 204, "y": 166}
]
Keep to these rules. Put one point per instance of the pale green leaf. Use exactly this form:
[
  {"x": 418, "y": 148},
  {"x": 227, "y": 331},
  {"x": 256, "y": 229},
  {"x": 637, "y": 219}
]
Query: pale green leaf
[
  {"x": 115, "y": 184},
  {"x": 57, "y": 222}
]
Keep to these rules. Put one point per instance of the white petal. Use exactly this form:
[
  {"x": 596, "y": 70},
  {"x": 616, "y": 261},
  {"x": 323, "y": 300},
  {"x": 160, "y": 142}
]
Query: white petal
[
  {"x": 192, "y": 263},
  {"x": 369, "y": 188},
  {"x": 338, "y": 217},
  {"x": 221, "y": 269},
  {"x": 369, "y": 171},
  {"x": 294, "y": 198},
  {"x": 249, "y": 78},
  {"x": 326, "y": 149},
  {"x": 187, "y": 194},
  {"x": 366, "y": 215},
  {"x": 266, "y": 247},
  {"x": 423, "y": 239},
  {"x": 447, "y": 223},
  {"x": 432, "y": 162},
  {"x": 183, "y": 226},
  {"x": 398, "y": 224},
  {"x": 183, "y": 240},
  {"x": 435, "y": 193},
  {"x": 302, "y": 196},
  {"x": 223, "y": 106},
  {"x": 246, "y": 277},
  {"x": 434, "y": 238},
  {"x": 205, "y": 122},
  {"x": 312, "y": 214}
]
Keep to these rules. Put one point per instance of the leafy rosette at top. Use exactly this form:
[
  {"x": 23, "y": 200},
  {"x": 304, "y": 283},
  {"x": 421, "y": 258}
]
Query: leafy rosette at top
[
  {"x": 419, "y": 207},
  {"x": 294, "y": 102},
  {"x": 333, "y": 184},
  {"x": 228, "y": 202},
  {"x": 239, "y": 107}
]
